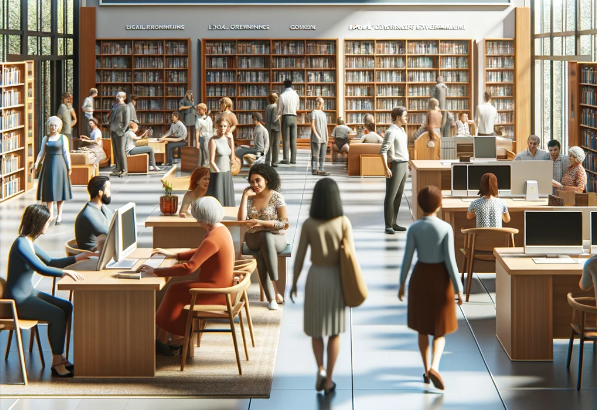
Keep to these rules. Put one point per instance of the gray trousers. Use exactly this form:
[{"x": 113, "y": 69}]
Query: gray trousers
[
  {"x": 274, "y": 147},
  {"x": 318, "y": 150},
  {"x": 145, "y": 150},
  {"x": 203, "y": 152},
  {"x": 268, "y": 245},
  {"x": 119, "y": 147},
  {"x": 170, "y": 147},
  {"x": 289, "y": 137},
  {"x": 394, "y": 190}
]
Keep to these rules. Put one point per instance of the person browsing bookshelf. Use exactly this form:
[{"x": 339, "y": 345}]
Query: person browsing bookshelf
[
  {"x": 288, "y": 104},
  {"x": 319, "y": 138},
  {"x": 272, "y": 124}
]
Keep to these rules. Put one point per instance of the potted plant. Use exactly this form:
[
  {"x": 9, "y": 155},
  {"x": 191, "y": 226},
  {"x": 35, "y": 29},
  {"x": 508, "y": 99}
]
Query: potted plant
[{"x": 168, "y": 202}]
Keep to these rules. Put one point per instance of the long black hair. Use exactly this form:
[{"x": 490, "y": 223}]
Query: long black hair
[
  {"x": 326, "y": 203},
  {"x": 33, "y": 221},
  {"x": 269, "y": 174}
]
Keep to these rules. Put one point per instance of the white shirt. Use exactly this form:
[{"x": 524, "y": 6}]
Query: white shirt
[
  {"x": 205, "y": 126},
  {"x": 288, "y": 102},
  {"x": 396, "y": 142},
  {"x": 487, "y": 116}
]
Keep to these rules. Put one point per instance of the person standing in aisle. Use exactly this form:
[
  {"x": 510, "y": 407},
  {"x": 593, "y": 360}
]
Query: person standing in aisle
[
  {"x": 204, "y": 130},
  {"x": 272, "y": 124},
  {"x": 431, "y": 308},
  {"x": 434, "y": 120},
  {"x": 132, "y": 107},
  {"x": 260, "y": 139},
  {"x": 395, "y": 142},
  {"x": 560, "y": 162},
  {"x": 221, "y": 185},
  {"x": 319, "y": 138},
  {"x": 120, "y": 116},
  {"x": 54, "y": 177},
  {"x": 227, "y": 114},
  {"x": 487, "y": 116},
  {"x": 324, "y": 307},
  {"x": 440, "y": 91},
  {"x": 288, "y": 103},
  {"x": 189, "y": 112},
  {"x": 88, "y": 108},
  {"x": 68, "y": 116},
  {"x": 176, "y": 136}
]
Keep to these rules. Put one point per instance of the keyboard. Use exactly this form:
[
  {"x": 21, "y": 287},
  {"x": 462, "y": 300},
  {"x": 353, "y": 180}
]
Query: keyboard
[
  {"x": 155, "y": 261},
  {"x": 556, "y": 261},
  {"x": 123, "y": 264}
]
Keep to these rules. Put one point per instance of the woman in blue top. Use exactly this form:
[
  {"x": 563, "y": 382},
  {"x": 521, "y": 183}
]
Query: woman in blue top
[
  {"x": 489, "y": 210},
  {"x": 25, "y": 258},
  {"x": 431, "y": 308}
]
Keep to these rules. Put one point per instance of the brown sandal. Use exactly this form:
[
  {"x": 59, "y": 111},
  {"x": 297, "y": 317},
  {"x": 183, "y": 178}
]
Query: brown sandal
[{"x": 436, "y": 379}]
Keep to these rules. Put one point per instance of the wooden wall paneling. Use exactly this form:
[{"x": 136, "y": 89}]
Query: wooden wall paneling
[
  {"x": 574, "y": 100},
  {"x": 523, "y": 66},
  {"x": 86, "y": 57}
]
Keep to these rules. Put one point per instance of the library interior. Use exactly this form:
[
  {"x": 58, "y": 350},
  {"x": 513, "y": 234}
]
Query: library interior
[{"x": 224, "y": 204}]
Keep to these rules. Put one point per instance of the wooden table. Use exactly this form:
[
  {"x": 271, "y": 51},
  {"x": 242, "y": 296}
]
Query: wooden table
[
  {"x": 425, "y": 173},
  {"x": 176, "y": 232},
  {"x": 114, "y": 320},
  {"x": 159, "y": 149},
  {"x": 532, "y": 309}
]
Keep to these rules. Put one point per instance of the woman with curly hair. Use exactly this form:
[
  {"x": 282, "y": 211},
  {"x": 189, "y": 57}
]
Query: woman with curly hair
[
  {"x": 264, "y": 207},
  {"x": 197, "y": 189}
]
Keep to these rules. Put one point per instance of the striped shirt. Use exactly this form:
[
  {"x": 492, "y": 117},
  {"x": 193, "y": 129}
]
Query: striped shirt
[{"x": 560, "y": 165}]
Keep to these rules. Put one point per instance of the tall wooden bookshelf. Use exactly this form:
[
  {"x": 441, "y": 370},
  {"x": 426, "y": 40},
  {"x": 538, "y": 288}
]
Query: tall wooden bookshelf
[
  {"x": 499, "y": 78},
  {"x": 383, "y": 74},
  {"x": 16, "y": 128},
  {"x": 247, "y": 70},
  {"x": 156, "y": 71}
]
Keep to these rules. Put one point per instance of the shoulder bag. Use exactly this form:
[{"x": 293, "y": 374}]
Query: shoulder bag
[{"x": 354, "y": 288}]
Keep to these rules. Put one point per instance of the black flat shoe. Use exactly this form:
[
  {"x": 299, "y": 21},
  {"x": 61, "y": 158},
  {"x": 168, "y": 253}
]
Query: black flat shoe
[
  {"x": 331, "y": 389},
  {"x": 61, "y": 371},
  {"x": 389, "y": 231},
  {"x": 58, "y": 222},
  {"x": 398, "y": 228},
  {"x": 425, "y": 379},
  {"x": 163, "y": 349}
]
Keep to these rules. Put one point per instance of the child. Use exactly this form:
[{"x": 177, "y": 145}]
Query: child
[
  {"x": 204, "y": 130},
  {"x": 319, "y": 138}
]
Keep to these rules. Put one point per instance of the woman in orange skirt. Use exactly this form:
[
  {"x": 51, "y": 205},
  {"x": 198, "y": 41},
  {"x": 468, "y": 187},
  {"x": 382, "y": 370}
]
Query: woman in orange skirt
[{"x": 431, "y": 308}]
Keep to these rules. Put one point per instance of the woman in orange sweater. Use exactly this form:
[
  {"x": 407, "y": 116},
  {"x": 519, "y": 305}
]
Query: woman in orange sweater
[{"x": 215, "y": 257}]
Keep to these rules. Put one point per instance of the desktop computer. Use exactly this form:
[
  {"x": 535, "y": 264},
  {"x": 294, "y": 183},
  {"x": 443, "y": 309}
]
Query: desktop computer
[
  {"x": 593, "y": 233},
  {"x": 485, "y": 148},
  {"x": 502, "y": 173},
  {"x": 459, "y": 179},
  {"x": 553, "y": 233},
  {"x": 126, "y": 227}
]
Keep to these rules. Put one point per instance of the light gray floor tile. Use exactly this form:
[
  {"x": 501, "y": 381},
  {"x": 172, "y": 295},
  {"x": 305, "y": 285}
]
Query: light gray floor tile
[
  {"x": 7, "y": 404},
  {"x": 429, "y": 399},
  {"x": 58, "y": 404},
  {"x": 102, "y": 404},
  {"x": 303, "y": 400},
  {"x": 523, "y": 399},
  {"x": 25, "y": 404},
  {"x": 187, "y": 404}
]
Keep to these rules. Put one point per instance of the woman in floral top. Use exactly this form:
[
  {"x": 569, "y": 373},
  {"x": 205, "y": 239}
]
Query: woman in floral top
[
  {"x": 265, "y": 209},
  {"x": 575, "y": 178}
]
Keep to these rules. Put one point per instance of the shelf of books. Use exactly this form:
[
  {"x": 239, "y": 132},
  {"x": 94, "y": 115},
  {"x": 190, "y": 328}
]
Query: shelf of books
[
  {"x": 499, "y": 81},
  {"x": 247, "y": 71},
  {"x": 158, "y": 72},
  {"x": 16, "y": 128},
  {"x": 383, "y": 74},
  {"x": 587, "y": 119}
]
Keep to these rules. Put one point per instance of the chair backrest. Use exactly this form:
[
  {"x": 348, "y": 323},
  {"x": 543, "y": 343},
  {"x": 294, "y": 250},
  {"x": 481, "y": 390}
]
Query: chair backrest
[
  {"x": 71, "y": 249},
  {"x": 581, "y": 304},
  {"x": 6, "y": 306},
  {"x": 422, "y": 151},
  {"x": 486, "y": 239}
]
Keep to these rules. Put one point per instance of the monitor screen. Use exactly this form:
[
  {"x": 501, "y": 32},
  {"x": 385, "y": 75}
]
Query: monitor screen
[
  {"x": 539, "y": 228},
  {"x": 459, "y": 177},
  {"x": 485, "y": 147},
  {"x": 502, "y": 173},
  {"x": 594, "y": 228},
  {"x": 128, "y": 228}
]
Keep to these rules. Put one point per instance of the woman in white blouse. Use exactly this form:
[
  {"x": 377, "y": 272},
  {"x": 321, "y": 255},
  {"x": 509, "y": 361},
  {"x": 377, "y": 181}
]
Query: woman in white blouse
[{"x": 489, "y": 210}]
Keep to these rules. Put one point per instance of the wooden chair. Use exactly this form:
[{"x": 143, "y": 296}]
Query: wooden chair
[
  {"x": 71, "y": 249},
  {"x": 107, "y": 147},
  {"x": 478, "y": 246},
  {"x": 137, "y": 164},
  {"x": 9, "y": 319},
  {"x": 236, "y": 300},
  {"x": 422, "y": 151},
  {"x": 583, "y": 305}
]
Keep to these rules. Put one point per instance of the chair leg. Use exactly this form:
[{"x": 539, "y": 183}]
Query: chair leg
[
  {"x": 580, "y": 357},
  {"x": 233, "y": 332},
  {"x": 469, "y": 277},
  {"x": 242, "y": 332},
  {"x": 41, "y": 352},
  {"x": 19, "y": 337},
  {"x": 68, "y": 327},
  {"x": 202, "y": 324},
  {"x": 185, "y": 343},
  {"x": 191, "y": 340},
  {"x": 570, "y": 344},
  {"x": 32, "y": 338},
  {"x": 249, "y": 321},
  {"x": 8, "y": 343}
]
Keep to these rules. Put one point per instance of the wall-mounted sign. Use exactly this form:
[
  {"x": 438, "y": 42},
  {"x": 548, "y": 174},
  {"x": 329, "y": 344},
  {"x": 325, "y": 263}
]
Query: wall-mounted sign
[
  {"x": 238, "y": 27},
  {"x": 154, "y": 26},
  {"x": 407, "y": 27},
  {"x": 303, "y": 27}
]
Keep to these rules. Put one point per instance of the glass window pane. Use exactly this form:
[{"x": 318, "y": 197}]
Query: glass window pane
[
  {"x": 60, "y": 16},
  {"x": 546, "y": 128},
  {"x": 558, "y": 109},
  {"x": 557, "y": 46},
  {"x": 14, "y": 15},
  {"x": 586, "y": 20},
  {"x": 69, "y": 76},
  {"x": 70, "y": 48},
  {"x": 546, "y": 15},
  {"x": 60, "y": 46},
  {"x": 558, "y": 16},
  {"x": 46, "y": 46},
  {"x": 14, "y": 45},
  {"x": 46, "y": 16},
  {"x": 538, "y": 46},
  {"x": 45, "y": 96},
  {"x": 32, "y": 15},
  {"x": 570, "y": 15},
  {"x": 69, "y": 17},
  {"x": 546, "y": 47},
  {"x": 570, "y": 46},
  {"x": 537, "y": 16},
  {"x": 32, "y": 46}
]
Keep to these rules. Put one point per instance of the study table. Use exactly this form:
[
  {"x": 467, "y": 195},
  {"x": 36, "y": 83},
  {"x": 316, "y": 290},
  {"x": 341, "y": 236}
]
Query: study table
[
  {"x": 425, "y": 173},
  {"x": 114, "y": 320},
  {"x": 531, "y": 304}
]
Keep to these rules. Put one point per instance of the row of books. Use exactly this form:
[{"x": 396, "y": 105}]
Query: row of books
[
  {"x": 10, "y": 163},
  {"x": 390, "y": 91},
  {"x": 588, "y": 96},
  {"x": 588, "y": 138},
  {"x": 253, "y": 62},
  {"x": 289, "y": 47},
  {"x": 418, "y": 104},
  {"x": 151, "y": 118},
  {"x": 153, "y": 104},
  {"x": 148, "y": 62},
  {"x": 503, "y": 103},
  {"x": 454, "y": 47},
  {"x": 224, "y": 90},
  {"x": 591, "y": 182},
  {"x": 359, "y": 76},
  {"x": 499, "y": 77},
  {"x": 229, "y": 47},
  {"x": 390, "y": 76},
  {"x": 359, "y": 62},
  {"x": 172, "y": 104},
  {"x": 455, "y": 76},
  {"x": 141, "y": 47},
  {"x": 389, "y": 104},
  {"x": 390, "y": 47},
  {"x": 219, "y": 62},
  {"x": 253, "y": 47},
  {"x": 175, "y": 91},
  {"x": 111, "y": 91},
  {"x": 422, "y": 47},
  {"x": 295, "y": 76},
  {"x": 10, "y": 119},
  {"x": 454, "y": 62},
  {"x": 253, "y": 90},
  {"x": 589, "y": 117},
  {"x": 419, "y": 90},
  {"x": 321, "y": 62},
  {"x": 256, "y": 77},
  {"x": 589, "y": 75},
  {"x": 11, "y": 186},
  {"x": 321, "y": 47},
  {"x": 250, "y": 104},
  {"x": 590, "y": 162},
  {"x": 113, "y": 77},
  {"x": 177, "y": 62},
  {"x": 328, "y": 104},
  {"x": 213, "y": 104},
  {"x": 499, "y": 62},
  {"x": 321, "y": 77},
  {"x": 149, "y": 47},
  {"x": 317, "y": 90},
  {"x": 244, "y": 133},
  {"x": 10, "y": 142},
  {"x": 412, "y": 118},
  {"x": 11, "y": 98},
  {"x": 112, "y": 62},
  {"x": 359, "y": 47},
  {"x": 422, "y": 62},
  {"x": 390, "y": 62},
  {"x": 288, "y": 62},
  {"x": 355, "y": 117},
  {"x": 359, "y": 91},
  {"x": 501, "y": 90},
  {"x": 505, "y": 118},
  {"x": 359, "y": 104},
  {"x": 220, "y": 76},
  {"x": 457, "y": 105},
  {"x": 11, "y": 76},
  {"x": 458, "y": 91},
  {"x": 422, "y": 76},
  {"x": 149, "y": 76},
  {"x": 176, "y": 77},
  {"x": 499, "y": 47},
  {"x": 149, "y": 90}
]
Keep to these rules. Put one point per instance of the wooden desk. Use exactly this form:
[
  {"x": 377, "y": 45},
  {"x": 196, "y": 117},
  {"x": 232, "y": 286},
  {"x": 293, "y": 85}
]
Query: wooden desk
[
  {"x": 532, "y": 309},
  {"x": 176, "y": 232},
  {"x": 159, "y": 149},
  {"x": 114, "y": 320},
  {"x": 425, "y": 173}
]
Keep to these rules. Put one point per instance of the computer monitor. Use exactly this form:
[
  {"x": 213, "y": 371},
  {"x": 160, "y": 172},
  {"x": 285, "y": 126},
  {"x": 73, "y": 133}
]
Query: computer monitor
[
  {"x": 593, "y": 233},
  {"x": 485, "y": 148},
  {"x": 126, "y": 231},
  {"x": 541, "y": 238},
  {"x": 502, "y": 173},
  {"x": 459, "y": 179},
  {"x": 109, "y": 248},
  {"x": 540, "y": 171}
]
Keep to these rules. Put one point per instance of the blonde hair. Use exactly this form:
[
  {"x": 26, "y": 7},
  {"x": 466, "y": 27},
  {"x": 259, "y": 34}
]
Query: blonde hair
[
  {"x": 273, "y": 98},
  {"x": 433, "y": 102},
  {"x": 319, "y": 101},
  {"x": 221, "y": 120},
  {"x": 121, "y": 95},
  {"x": 55, "y": 120},
  {"x": 202, "y": 106},
  {"x": 227, "y": 102}
]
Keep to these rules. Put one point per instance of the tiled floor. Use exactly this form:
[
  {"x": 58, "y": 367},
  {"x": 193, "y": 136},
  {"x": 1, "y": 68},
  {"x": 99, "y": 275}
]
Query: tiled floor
[{"x": 379, "y": 365}]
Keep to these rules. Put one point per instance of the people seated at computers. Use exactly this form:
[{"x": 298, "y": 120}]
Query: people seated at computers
[
  {"x": 462, "y": 127},
  {"x": 340, "y": 134},
  {"x": 197, "y": 189},
  {"x": 489, "y": 210},
  {"x": 369, "y": 136},
  {"x": 260, "y": 139},
  {"x": 575, "y": 177},
  {"x": 215, "y": 257},
  {"x": 265, "y": 209},
  {"x": 133, "y": 149},
  {"x": 95, "y": 217},
  {"x": 25, "y": 258},
  {"x": 435, "y": 279},
  {"x": 560, "y": 162},
  {"x": 533, "y": 152},
  {"x": 176, "y": 136}
]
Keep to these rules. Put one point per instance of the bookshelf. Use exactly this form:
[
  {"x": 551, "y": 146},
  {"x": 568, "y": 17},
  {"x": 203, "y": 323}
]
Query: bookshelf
[
  {"x": 383, "y": 74},
  {"x": 499, "y": 78},
  {"x": 247, "y": 70},
  {"x": 158, "y": 72},
  {"x": 16, "y": 128}
]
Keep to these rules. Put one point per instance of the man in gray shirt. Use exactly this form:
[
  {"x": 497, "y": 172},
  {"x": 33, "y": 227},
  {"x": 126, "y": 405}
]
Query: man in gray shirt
[
  {"x": 68, "y": 116},
  {"x": 176, "y": 136},
  {"x": 533, "y": 153},
  {"x": 120, "y": 117},
  {"x": 288, "y": 103},
  {"x": 319, "y": 138},
  {"x": 94, "y": 219},
  {"x": 260, "y": 139}
]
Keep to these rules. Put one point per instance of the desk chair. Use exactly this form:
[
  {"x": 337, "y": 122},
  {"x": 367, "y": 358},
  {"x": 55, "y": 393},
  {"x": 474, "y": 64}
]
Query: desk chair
[
  {"x": 422, "y": 151},
  {"x": 478, "y": 246},
  {"x": 583, "y": 305}
]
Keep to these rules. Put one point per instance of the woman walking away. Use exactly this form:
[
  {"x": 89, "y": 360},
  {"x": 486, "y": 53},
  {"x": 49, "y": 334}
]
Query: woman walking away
[
  {"x": 431, "y": 308},
  {"x": 324, "y": 310}
]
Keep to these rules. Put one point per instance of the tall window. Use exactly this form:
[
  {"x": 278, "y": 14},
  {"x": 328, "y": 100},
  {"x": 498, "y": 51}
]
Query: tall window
[
  {"x": 43, "y": 31},
  {"x": 563, "y": 30}
]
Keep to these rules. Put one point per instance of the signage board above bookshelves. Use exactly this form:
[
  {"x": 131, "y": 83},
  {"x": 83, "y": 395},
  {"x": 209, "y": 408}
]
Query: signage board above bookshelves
[
  {"x": 247, "y": 71},
  {"x": 158, "y": 72},
  {"x": 383, "y": 74}
]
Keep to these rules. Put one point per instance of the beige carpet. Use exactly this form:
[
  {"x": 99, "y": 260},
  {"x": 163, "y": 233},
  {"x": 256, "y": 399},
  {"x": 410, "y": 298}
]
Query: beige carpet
[{"x": 212, "y": 372}]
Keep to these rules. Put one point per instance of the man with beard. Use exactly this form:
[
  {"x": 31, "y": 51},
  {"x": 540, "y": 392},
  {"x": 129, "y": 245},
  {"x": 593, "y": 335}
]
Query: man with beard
[{"x": 94, "y": 219}]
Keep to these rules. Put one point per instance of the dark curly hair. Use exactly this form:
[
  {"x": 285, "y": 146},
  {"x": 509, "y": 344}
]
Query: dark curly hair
[{"x": 269, "y": 174}]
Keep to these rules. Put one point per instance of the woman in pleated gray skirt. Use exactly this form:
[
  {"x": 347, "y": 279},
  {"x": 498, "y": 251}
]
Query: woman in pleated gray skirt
[
  {"x": 221, "y": 185},
  {"x": 324, "y": 309}
]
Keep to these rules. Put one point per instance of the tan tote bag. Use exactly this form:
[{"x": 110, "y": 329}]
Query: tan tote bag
[{"x": 354, "y": 288}]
